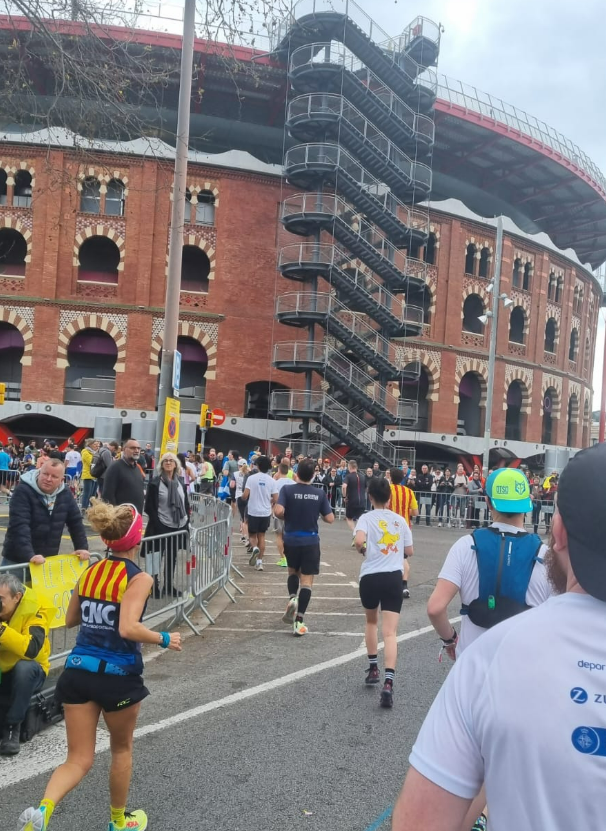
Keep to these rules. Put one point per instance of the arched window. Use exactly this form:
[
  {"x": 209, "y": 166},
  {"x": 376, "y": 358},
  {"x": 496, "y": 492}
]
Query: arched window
[
  {"x": 90, "y": 377},
  {"x": 470, "y": 259},
  {"x": 513, "y": 417},
  {"x": 12, "y": 346},
  {"x": 205, "y": 209},
  {"x": 551, "y": 286},
  {"x": 550, "y": 335},
  {"x": 575, "y": 300},
  {"x": 469, "y": 415},
  {"x": 90, "y": 198},
  {"x": 114, "y": 198},
  {"x": 517, "y": 321},
  {"x": 581, "y": 299},
  {"x": 573, "y": 418},
  {"x": 587, "y": 358},
  {"x": 526, "y": 277},
  {"x": 473, "y": 308},
  {"x": 431, "y": 249},
  {"x": 559, "y": 290},
  {"x": 13, "y": 251},
  {"x": 3, "y": 188},
  {"x": 549, "y": 404},
  {"x": 188, "y": 206},
  {"x": 484, "y": 262},
  {"x": 257, "y": 398},
  {"x": 195, "y": 268},
  {"x": 574, "y": 345},
  {"x": 22, "y": 195},
  {"x": 516, "y": 276},
  {"x": 99, "y": 258},
  {"x": 194, "y": 362}
]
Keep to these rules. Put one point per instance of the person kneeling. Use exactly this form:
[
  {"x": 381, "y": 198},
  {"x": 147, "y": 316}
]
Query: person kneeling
[{"x": 24, "y": 655}]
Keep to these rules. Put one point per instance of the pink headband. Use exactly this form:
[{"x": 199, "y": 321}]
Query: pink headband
[{"x": 132, "y": 536}]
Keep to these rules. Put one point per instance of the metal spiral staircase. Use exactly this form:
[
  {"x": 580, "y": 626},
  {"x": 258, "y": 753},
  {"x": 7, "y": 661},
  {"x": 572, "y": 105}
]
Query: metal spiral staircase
[{"x": 361, "y": 108}]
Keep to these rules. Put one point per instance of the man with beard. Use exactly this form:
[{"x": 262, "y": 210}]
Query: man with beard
[{"x": 523, "y": 708}]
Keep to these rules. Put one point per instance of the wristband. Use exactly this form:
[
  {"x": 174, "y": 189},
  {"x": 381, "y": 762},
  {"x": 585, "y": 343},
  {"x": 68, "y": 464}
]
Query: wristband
[
  {"x": 452, "y": 640},
  {"x": 165, "y": 640}
]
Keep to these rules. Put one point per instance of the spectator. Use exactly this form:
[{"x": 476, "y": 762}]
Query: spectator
[
  {"x": 89, "y": 483},
  {"x": 24, "y": 653},
  {"x": 148, "y": 461},
  {"x": 459, "y": 495},
  {"x": 207, "y": 477},
  {"x": 102, "y": 462},
  {"x": 376, "y": 470},
  {"x": 5, "y": 461},
  {"x": 167, "y": 509},
  {"x": 123, "y": 482},
  {"x": 40, "y": 509},
  {"x": 423, "y": 489},
  {"x": 188, "y": 471},
  {"x": 475, "y": 490},
  {"x": 445, "y": 489},
  {"x": 73, "y": 462},
  {"x": 54, "y": 452},
  {"x": 405, "y": 471},
  {"x": 330, "y": 486},
  {"x": 318, "y": 479},
  {"x": 536, "y": 492}
]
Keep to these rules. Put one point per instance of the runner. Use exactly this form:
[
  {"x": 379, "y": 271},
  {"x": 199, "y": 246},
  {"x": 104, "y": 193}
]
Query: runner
[
  {"x": 402, "y": 502},
  {"x": 354, "y": 496},
  {"x": 491, "y": 589},
  {"x": 103, "y": 674},
  {"x": 300, "y": 506},
  {"x": 383, "y": 538},
  {"x": 281, "y": 479},
  {"x": 260, "y": 494},
  {"x": 241, "y": 477}
]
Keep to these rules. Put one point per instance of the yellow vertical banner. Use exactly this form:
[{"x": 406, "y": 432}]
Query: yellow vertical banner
[
  {"x": 170, "y": 433},
  {"x": 54, "y": 581}
]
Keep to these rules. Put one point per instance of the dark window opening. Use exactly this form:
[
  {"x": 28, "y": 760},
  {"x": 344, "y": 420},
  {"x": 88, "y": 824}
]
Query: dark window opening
[
  {"x": 13, "y": 251},
  {"x": 517, "y": 321},
  {"x": 573, "y": 414},
  {"x": 559, "y": 290},
  {"x": 417, "y": 389},
  {"x": 484, "y": 262},
  {"x": 99, "y": 260},
  {"x": 516, "y": 274},
  {"x": 430, "y": 250},
  {"x": 469, "y": 415},
  {"x": 587, "y": 352},
  {"x": 550, "y": 335},
  {"x": 195, "y": 268},
  {"x": 90, "y": 378},
  {"x": 12, "y": 347},
  {"x": 194, "y": 363},
  {"x": 526, "y": 278},
  {"x": 574, "y": 343},
  {"x": 551, "y": 286},
  {"x": 473, "y": 308},
  {"x": 470, "y": 259},
  {"x": 549, "y": 403},
  {"x": 3, "y": 187},
  {"x": 90, "y": 198},
  {"x": 513, "y": 416},
  {"x": 22, "y": 197},
  {"x": 205, "y": 209},
  {"x": 114, "y": 198},
  {"x": 257, "y": 398}
]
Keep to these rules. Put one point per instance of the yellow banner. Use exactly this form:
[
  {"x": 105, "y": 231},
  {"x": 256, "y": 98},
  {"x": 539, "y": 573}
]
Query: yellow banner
[
  {"x": 170, "y": 434},
  {"x": 54, "y": 580}
]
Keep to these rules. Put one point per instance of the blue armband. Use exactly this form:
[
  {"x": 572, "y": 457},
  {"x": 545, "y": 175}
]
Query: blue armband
[{"x": 165, "y": 640}]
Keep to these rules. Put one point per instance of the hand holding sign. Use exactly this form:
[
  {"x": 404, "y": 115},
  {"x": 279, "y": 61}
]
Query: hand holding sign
[{"x": 54, "y": 580}]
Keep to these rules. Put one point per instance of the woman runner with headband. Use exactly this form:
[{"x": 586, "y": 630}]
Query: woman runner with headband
[{"x": 103, "y": 674}]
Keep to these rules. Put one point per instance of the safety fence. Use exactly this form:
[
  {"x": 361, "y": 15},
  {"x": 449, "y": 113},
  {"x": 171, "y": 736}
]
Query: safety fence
[
  {"x": 469, "y": 510},
  {"x": 189, "y": 568}
]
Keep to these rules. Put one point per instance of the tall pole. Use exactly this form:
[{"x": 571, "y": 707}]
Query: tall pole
[
  {"x": 602, "y": 400},
  {"x": 492, "y": 352},
  {"x": 177, "y": 219}
]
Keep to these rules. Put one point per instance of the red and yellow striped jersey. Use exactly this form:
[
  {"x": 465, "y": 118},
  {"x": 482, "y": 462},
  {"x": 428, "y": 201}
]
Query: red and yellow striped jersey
[
  {"x": 402, "y": 501},
  {"x": 106, "y": 580}
]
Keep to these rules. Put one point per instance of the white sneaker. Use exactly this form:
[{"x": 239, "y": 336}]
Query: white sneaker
[
  {"x": 291, "y": 610},
  {"x": 439, "y": 524},
  {"x": 259, "y": 565},
  {"x": 254, "y": 556},
  {"x": 33, "y": 819}
]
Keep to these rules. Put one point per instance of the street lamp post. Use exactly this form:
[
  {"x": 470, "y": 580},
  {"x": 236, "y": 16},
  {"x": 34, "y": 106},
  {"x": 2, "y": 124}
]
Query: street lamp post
[{"x": 177, "y": 219}]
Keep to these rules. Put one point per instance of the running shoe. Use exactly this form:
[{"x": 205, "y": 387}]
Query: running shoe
[
  {"x": 33, "y": 819},
  {"x": 299, "y": 629},
  {"x": 282, "y": 562},
  {"x": 353, "y": 540},
  {"x": 254, "y": 556},
  {"x": 481, "y": 824},
  {"x": 405, "y": 594},
  {"x": 386, "y": 696},
  {"x": 372, "y": 675},
  {"x": 135, "y": 821},
  {"x": 259, "y": 565},
  {"x": 291, "y": 610}
]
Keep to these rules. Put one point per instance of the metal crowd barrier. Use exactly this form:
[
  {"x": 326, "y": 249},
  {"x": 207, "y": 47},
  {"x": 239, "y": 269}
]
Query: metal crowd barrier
[
  {"x": 469, "y": 510},
  {"x": 188, "y": 570}
]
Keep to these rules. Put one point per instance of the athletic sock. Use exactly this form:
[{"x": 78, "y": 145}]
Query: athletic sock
[
  {"x": 49, "y": 807},
  {"x": 117, "y": 817},
  {"x": 390, "y": 674},
  {"x": 372, "y": 659},
  {"x": 304, "y": 598},
  {"x": 293, "y": 584}
]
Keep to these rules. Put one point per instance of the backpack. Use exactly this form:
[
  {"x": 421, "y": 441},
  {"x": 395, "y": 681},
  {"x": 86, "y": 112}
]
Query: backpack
[
  {"x": 505, "y": 565},
  {"x": 98, "y": 465}
]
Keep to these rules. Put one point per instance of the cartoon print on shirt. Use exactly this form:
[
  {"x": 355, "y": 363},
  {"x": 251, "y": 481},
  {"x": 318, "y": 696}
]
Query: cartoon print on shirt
[{"x": 390, "y": 541}]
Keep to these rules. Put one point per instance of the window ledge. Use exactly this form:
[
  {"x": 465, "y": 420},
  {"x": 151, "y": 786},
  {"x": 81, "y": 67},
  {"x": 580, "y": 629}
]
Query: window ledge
[
  {"x": 5, "y": 276},
  {"x": 96, "y": 283},
  {"x": 191, "y": 291}
]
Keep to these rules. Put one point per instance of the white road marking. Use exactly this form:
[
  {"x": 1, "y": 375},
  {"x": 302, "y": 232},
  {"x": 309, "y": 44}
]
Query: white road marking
[
  {"x": 340, "y": 574},
  {"x": 272, "y": 612},
  {"x": 354, "y": 584},
  {"x": 314, "y": 596},
  {"x": 41, "y": 755},
  {"x": 319, "y": 583},
  {"x": 288, "y": 632}
]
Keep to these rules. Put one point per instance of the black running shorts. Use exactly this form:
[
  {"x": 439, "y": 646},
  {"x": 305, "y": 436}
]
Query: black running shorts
[
  {"x": 354, "y": 511},
  {"x": 303, "y": 558},
  {"x": 258, "y": 524},
  {"x": 382, "y": 589},
  {"x": 242, "y": 508},
  {"x": 111, "y": 692}
]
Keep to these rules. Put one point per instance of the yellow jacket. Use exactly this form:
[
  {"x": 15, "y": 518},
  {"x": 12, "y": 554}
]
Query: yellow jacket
[
  {"x": 26, "y": 634},
  {"x": 87, "y": 460}
]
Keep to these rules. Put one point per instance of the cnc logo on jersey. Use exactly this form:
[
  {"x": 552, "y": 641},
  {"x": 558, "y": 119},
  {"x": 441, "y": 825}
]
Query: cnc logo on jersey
[{"x": 97, "y": 613}]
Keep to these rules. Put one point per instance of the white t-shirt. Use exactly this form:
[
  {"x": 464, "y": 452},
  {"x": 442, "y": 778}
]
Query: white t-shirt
[
  {"x": 282, "y": 483},
  {"x": 262, "y": 487},
  {"x": 387, "y": 535},
  {"x": 239, "y": 477},
  {"x": 461, "y": 568},
  {"x": 72, "y": 458},
  {"x": 523, "y": 711}
]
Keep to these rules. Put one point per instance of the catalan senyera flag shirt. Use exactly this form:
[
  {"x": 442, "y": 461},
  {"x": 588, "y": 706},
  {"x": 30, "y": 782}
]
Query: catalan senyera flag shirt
[
  {"x": 402, "y": 501},
  {"x": 101, "y": 589}
]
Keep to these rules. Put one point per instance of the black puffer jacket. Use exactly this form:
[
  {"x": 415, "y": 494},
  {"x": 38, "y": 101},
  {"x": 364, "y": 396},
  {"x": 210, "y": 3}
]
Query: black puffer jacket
[{"x": 33, "y": 530}]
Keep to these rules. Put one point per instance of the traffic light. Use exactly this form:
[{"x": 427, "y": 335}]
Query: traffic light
[
  {"x": 206, "y": 417},
  {"x": 2, "y": 393}
]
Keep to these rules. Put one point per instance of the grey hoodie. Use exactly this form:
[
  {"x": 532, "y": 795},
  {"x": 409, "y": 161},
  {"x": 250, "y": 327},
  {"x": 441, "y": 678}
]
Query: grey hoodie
[{"x": 31, "y": 478}]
